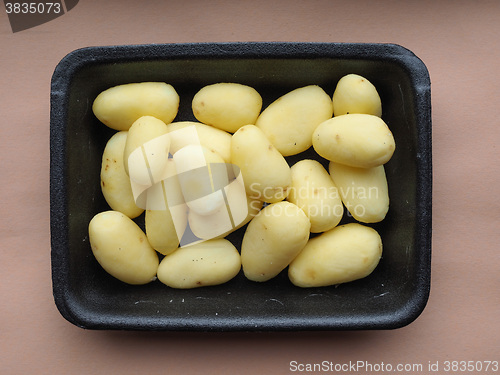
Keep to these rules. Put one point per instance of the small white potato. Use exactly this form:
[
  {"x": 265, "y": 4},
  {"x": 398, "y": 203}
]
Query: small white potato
[
  {"x": 202, "y": 175},
  {"x": 315, "y": 193},
  {"x": 364, "y": 191},
  {"x": 161, "y": 230},
  {"x": 181, "y": 134},
  {"x": 228, "y": 218},
  {"x": 266, "y": 173},
  {"x": 120, "y": 106},
  {"x": 166, "y": 214},
  {"x": 289, "y": 122},
  {"x": 273, "y": 239},
  {"x": 115, "y": 184},
  {"x": 357, "y": 140},
  {"x": 345, "y": 253},
  {"x": 355, "y": 94},
  {"x": 227, "y": 106},
  {"x": 146, "y": 151},
  {"x": 207, "y": 263},
  {"x": 122, "y": 249}
]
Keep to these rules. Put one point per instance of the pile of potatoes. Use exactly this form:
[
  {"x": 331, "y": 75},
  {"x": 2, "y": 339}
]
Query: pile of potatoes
[{"x": 293, "y": 213}]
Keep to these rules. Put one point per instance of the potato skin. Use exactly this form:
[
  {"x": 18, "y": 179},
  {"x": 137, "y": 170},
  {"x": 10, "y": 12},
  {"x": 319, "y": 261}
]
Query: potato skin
[
  {"x": 364, "y": 191},
  {"x": 266, "y": 173},
  {"x": 355, "y": 94},
  {"x": 227, "y": 106},
  {"x": 142, "y": 131},
  {"x": 122, "y": 248},
  {"x": 214, "y": 139},
  {"x": 120, "y": 106},
  {"x": 315, "y": 193},
  {"x": 202, "y": 174},
  {"x": 219, "y": 224},
  {"x": 161, "y": 230},
  {"x": 357, "y": 140},
  {"x": 289, "y": 122},
  {"x": 115, "y": 184},
  {"x": 166, "y": 221},
  {"x": 343, "y": 254},
  {"x": 273, "y": 239},
  {"x": 206, "y": 263}
]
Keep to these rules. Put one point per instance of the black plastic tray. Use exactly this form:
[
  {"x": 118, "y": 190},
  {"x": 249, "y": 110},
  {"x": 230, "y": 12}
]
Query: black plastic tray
[{"x": 392, "y": 296}]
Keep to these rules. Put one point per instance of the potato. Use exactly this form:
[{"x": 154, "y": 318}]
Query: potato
[
  {"x": 355, "y": 94},
  {"x": 115, "y": 184},
  {"x": 239, "y": 211},
  {"x": 122, "y": 249},
  {"x": 342, "y": 254},
  {"x": 289, "y": 122},
  {"x": 315, "y": 193},
  {"x": 120, "y": 106},
  {"x": 266, "y": 174},
  {"x": 227, "y": 106},
  {"x": 357, "y": 140},
  {"x": 182, "y": 134},
  {"x": 166, "y": 214},
  {"x": 202, "y": 175},
  {"x": 146, "y": 151},
  {"x": 364, "y": 191},
  {"x": 207, "y": 263},
  {"x": 273, "y": 239}
]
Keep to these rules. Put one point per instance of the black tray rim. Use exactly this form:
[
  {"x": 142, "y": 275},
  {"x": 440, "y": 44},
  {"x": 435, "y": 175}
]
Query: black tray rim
[{"x": 82, "y": 57}]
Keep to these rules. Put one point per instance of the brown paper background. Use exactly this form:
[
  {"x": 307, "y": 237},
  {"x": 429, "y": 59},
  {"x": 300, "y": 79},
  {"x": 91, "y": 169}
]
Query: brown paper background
[{"x": 459, "y": 43}]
